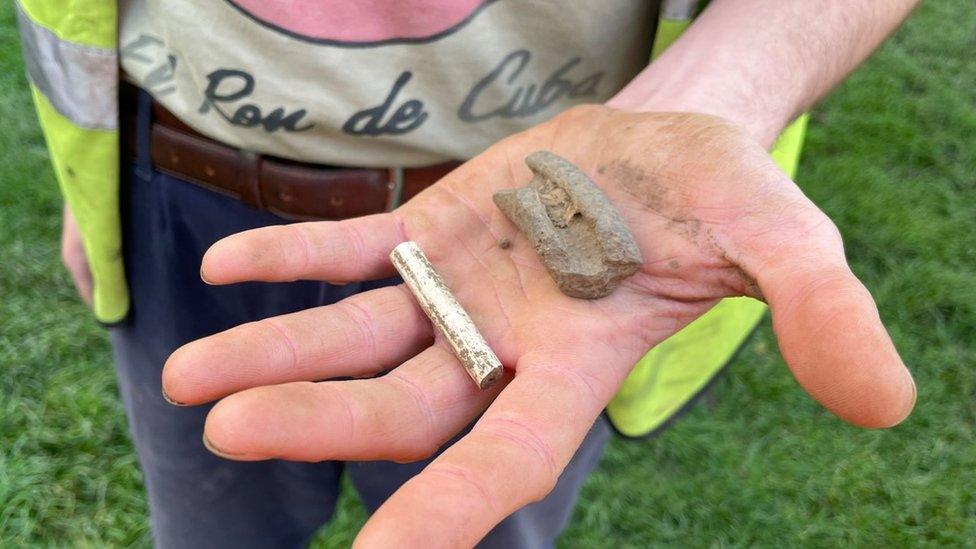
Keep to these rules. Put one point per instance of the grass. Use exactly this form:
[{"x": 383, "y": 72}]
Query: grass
[{"x": 891, "y": 156}]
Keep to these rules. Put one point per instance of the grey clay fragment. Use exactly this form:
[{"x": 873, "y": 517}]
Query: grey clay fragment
[{"x": 580, "y": 237}]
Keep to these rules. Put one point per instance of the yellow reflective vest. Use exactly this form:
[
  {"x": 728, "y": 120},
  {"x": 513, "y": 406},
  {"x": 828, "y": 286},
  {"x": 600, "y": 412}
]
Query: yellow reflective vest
[
  {"x": 70, "y": 51},
  {"x": 71, "y": 54}
]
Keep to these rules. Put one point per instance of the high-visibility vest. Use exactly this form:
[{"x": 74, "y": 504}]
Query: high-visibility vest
[
  {"x": 71, "y": 53},
  {"x": 70, "y": 50}
]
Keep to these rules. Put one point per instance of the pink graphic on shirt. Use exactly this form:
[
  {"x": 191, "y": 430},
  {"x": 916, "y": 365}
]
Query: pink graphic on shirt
[{"x": 362, "y": 22}]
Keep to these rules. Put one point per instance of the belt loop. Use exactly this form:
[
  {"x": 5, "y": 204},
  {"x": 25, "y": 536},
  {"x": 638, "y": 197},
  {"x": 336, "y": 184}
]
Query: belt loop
[
  {"x": 395, "y": 185},
  {"x": 143, "y": 129}
]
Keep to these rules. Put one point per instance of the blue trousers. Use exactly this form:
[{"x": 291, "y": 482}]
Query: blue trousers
[{"x": 197, "y": 499}]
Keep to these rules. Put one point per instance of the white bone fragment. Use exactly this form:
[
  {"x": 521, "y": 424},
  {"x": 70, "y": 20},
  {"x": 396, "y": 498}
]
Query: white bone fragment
[{"x": 449, "y": 318}]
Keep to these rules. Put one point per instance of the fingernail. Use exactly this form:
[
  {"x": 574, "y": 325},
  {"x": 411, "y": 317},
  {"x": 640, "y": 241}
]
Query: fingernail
[
  {"x": 169, "y": 399},
  {"x": 217, "y": 451},
  {"x": 911, "y": 379},
  {"x": 213, "y": 449},
  {"x": 204, "y": 278}
]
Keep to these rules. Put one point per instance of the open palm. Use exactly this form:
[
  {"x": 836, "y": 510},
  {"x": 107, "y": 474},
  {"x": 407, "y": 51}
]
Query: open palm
[{"x": 713, "y": 217}]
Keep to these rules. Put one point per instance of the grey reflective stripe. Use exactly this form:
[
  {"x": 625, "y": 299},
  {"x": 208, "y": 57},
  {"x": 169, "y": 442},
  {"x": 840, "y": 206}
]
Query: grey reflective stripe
[
  {"x": 679, "y": 10},
  {"x": 81, "y": 82}
]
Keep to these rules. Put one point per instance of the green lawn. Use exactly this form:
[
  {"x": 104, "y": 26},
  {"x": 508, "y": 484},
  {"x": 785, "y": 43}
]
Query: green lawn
[{"x": 891, "y": 157}]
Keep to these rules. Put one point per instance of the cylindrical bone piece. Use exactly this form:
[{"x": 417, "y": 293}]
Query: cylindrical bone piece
[{"x": 443, "y": 309}]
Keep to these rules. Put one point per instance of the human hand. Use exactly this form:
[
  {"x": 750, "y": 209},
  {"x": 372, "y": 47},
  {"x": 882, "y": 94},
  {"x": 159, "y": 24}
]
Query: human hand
[
  {"x": 73, "y": 255},
  {"x": 713, "y": 217}
]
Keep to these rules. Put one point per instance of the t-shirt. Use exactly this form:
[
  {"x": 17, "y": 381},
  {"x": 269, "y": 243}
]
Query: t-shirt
[{"x": 379, "y": 82}]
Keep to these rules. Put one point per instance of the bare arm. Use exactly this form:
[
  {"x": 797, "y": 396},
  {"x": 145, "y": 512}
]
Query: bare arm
[{"x": 760, "y": 63}]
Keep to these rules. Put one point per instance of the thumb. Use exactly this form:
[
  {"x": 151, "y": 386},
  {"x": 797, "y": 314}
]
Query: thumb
[{"x": 831, "y": 336}]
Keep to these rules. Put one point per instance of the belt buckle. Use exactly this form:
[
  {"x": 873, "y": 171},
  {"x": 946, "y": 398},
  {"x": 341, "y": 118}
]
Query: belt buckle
[{"x": 395, "y": 186}]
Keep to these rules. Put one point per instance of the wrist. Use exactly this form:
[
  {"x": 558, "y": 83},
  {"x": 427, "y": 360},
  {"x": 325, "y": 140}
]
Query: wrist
[{"x": 764, "y": 124}]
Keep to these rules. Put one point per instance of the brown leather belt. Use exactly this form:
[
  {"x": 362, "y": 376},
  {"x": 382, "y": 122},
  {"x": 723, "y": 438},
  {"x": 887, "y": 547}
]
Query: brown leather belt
[{"x": 292, "y": 190}]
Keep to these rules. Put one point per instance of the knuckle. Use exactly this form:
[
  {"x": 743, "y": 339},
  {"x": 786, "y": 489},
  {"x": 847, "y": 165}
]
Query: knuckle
[
  {"x": 352, "y": 236},
  {"x": 537, "y": 455},
  {"x": 470, "y": 481},
  {"x": 294, "y": 249},
  {"x": 349, "y": 410},
  {"x": 277, "y": 334},
  {"x": 361, "y": 321},
  {"x": 830, "y": 282},
  {"x": 426, "y": 443},
  {"x": 585, "y": 385}
]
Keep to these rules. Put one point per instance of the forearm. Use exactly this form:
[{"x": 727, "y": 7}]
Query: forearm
[{"x": 760, "y": 63}]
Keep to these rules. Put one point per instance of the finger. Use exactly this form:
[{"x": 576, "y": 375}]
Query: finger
[
  {"x": 833, "y": 341},
  {"x": 73, "y": 256},
  {"x": 334, "y": 251},
  {"x": 360, "y": 335},
  {"x": 512, "y": 457},
  {"x": 81, "y": 276},
  {"x": 403, "y": 416}
]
